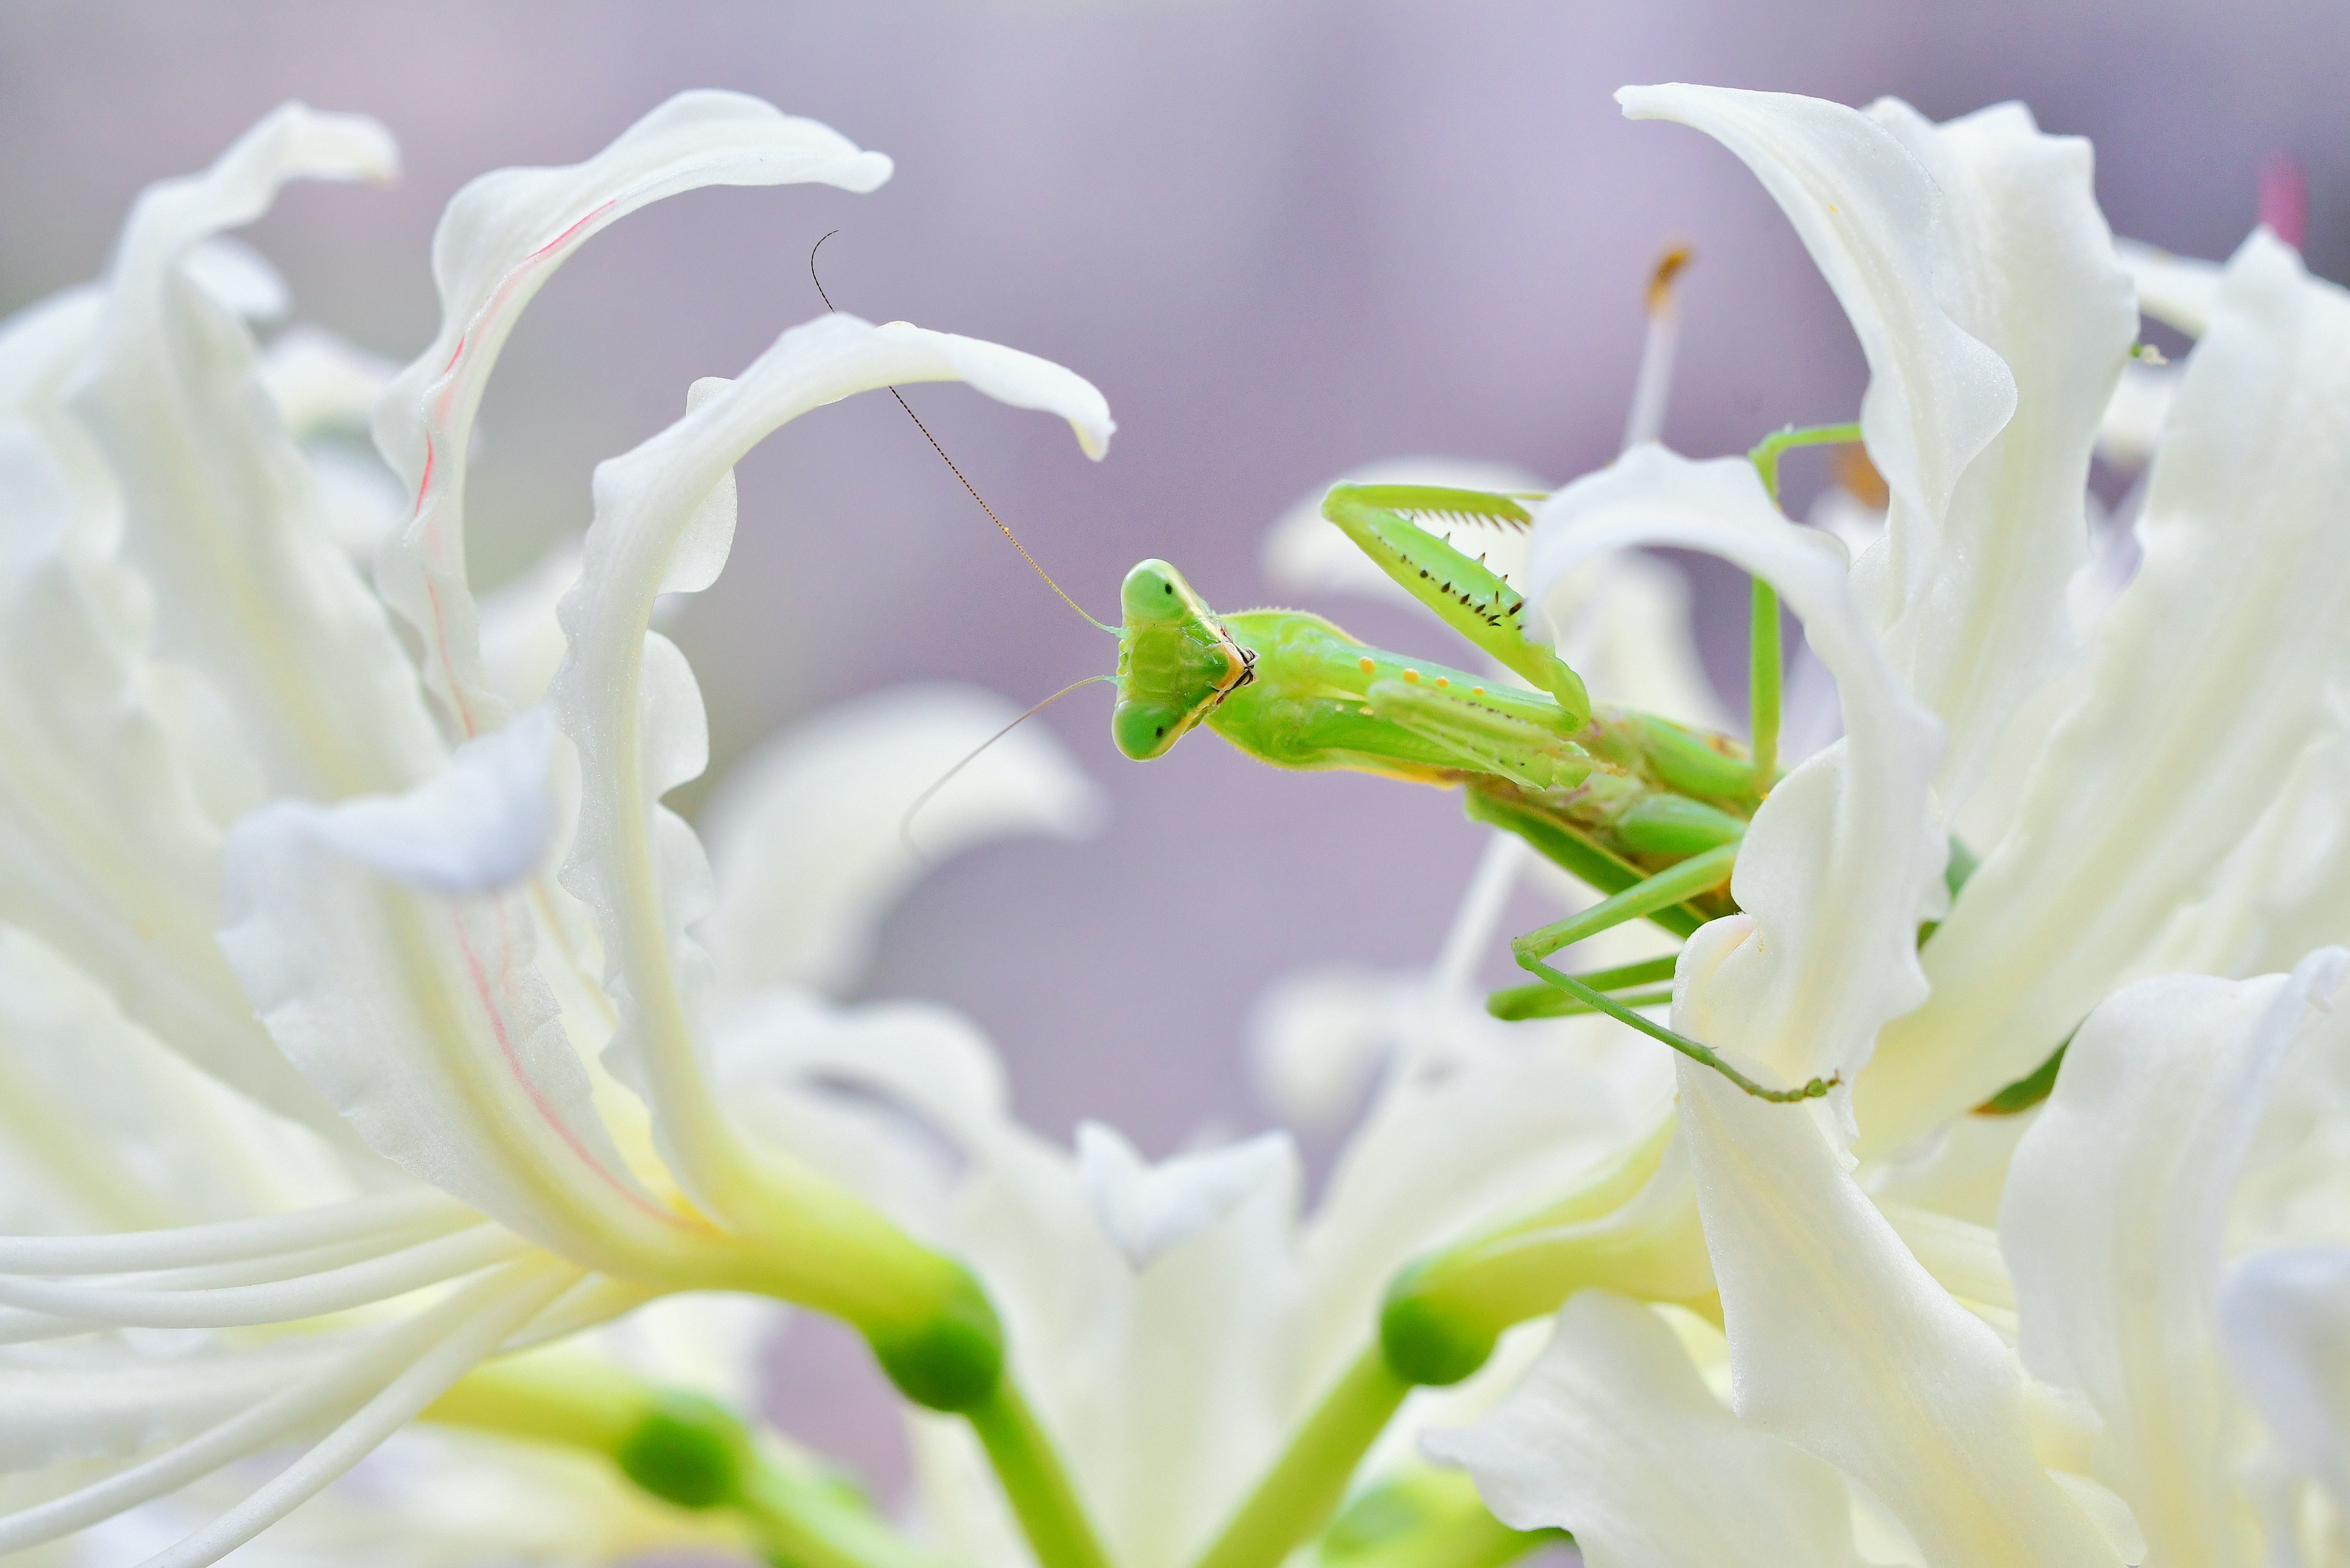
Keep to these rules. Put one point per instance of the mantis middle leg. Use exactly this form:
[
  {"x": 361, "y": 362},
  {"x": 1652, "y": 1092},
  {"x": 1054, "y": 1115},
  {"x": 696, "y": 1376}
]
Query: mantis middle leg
[{"x": 1691, "y": 877}]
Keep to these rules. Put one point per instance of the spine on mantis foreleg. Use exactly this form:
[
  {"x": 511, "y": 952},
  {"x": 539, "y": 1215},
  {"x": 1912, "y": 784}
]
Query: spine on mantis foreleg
[{"x": 1472, "y": 599}]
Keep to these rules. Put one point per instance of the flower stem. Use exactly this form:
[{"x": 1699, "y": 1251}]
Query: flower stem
[
  {"x": 1428, "y": 1518},
  {"x": 813, "y": 1522},
  {"x": 1767, "y": 452},
  {"x": 1302, "y": 1491},
  {"x": 1764, "y": 660},
  {"x": 1033, "y": 1477},
  {"x": 1764, "y": 663},
  {"x": 686, "y": 1451},
  {"x": 1445, "y": 1312}
]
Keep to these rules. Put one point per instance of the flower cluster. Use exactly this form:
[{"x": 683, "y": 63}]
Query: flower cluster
[{"x": 368, "y": 1025}]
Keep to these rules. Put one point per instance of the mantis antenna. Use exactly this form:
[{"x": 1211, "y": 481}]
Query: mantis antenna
[
  {"x": 958, "y": 473},
  {"x": 906, "y": 823}
]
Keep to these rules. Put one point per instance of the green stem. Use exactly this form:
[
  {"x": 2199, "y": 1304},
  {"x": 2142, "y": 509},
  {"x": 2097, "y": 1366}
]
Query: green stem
[
  {"x": 1778, "y": 444},
  {"x": 803, "y": 1521},
  {"x": 1763, "y": 665},
  {"x": 1763, "y": 660},
  {"x": 1303, "y": 1489},
  {"x": 1445, "y": 1312},
  {"x": 1427, "y": 1518},
  {"x": 1030, "y": 1470},
  {"x": 686, "y": 1451}
]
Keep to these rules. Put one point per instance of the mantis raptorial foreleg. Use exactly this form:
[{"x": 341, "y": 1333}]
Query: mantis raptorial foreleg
[{"x": 1467, "y": 595}]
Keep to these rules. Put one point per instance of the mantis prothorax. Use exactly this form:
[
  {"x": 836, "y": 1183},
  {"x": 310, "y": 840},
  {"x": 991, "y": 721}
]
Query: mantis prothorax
[{"x": 1650, "y": 812}]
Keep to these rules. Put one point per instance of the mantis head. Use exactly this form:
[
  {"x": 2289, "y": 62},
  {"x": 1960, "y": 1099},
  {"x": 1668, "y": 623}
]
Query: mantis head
[{"x": 1175, "y": 662}]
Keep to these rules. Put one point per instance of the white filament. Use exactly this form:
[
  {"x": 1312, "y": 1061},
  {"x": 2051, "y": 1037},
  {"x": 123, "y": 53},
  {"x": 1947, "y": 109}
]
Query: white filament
[
  {"x": 231, "y": 1238},
  {"x": 233, "y": 1306},
  {"x": 506, "y": 1302}
]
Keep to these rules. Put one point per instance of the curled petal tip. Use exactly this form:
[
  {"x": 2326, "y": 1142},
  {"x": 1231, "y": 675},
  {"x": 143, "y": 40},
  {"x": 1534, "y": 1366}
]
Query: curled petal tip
[{"x": 479, "y": 825}]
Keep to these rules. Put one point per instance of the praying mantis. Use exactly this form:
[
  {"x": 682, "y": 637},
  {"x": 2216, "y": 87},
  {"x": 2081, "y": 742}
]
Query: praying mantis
[
  {"x": 1647, "y": 811},
  {"x": 1650, "y": 812}
]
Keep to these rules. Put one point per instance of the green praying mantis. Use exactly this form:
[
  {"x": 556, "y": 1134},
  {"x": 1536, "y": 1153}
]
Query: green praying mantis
[{"x": 1648, "y": 811}]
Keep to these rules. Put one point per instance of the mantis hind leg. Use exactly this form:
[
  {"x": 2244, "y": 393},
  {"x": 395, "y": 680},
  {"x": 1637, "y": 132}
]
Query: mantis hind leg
[{"x": 1592, "y": 992}]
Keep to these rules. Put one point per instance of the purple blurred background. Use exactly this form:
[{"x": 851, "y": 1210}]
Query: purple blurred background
[{"x": 1284, "y": 238}]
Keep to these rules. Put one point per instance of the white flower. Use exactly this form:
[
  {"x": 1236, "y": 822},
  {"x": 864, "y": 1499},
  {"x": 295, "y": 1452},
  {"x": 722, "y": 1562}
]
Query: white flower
[
  {"x": 1871, "y": 1340},
  {"x": 380, "y": 1002},
  {"x": 1176, "y": 1319}
]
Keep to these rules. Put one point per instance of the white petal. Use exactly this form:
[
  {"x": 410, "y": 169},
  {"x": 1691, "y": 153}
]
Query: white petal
[
  {"x": 1843, "y": 856},
  {"x": 1168, "y": 1390},
  {"x": 2284, "y": 1321},
  {"x": 241, "y": 278},
  {"x": 2178, "y": 291},
  {"x": 107, "y": 853},
  {"x": 422, "y": 1019},
  {"x": 1007, "y": 375},
  {"x": 1315, "y": 1039},
  {"x": 894, "y": 1101},
  {"x": 2171, "y": 757},
  {"x": 1960, "y": 1171},
  {"x": 1151, "y": 1210},
  {"x": 1555, "y": 1105},
  {"x": 628, "y": 699},
  {"x": 2113, "y": 1223},
  {"x": 1305, "y": 552},
  {"x": 805, "y": 830},
  {"x": 479, "y": 824},
  {"x": 708, "y": 1342},
  {"x": 933, "y": 1060},
  {"x": 523, "y": 643},
  {"x": 1873, "y": 220},
  {"x": 102, "y": 1129},
  {"x": 1977, "y": 620},
  {"x": 1844, "y": 1346},
  {"x": 501, "y": 239},
  {"x": 2134, "y": 419},
  {"x": 218, "y": 506},
  {"x": 1614, "y": 1436},
  {"x": 2286, "y": 890},
  {"x": 1625, "y": 624},
  {"x": 321, "y": 383},
  {"x": 359, "y": 499}
]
